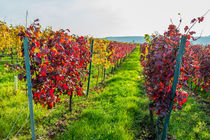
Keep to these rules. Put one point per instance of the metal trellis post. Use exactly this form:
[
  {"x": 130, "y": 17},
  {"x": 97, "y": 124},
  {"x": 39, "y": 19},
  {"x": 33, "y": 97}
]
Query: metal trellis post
[
  {"x": 174, "y": 84},
  {"x": 91, "y": 53},
  {"x": 28, "y": 75}
]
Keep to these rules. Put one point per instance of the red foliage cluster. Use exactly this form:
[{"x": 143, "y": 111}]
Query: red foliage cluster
[
  {"x": 58, "y": 64},
  {"x": 121, "y": 50},
  {"x": 196, "y": 66},
  {"x": 159, "y": 70},
  {"x": 159, "y": 67}
]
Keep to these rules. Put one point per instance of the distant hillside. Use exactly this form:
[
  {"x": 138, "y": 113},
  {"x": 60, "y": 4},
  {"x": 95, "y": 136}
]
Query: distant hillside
[
  {"x": 205, "y": 40},
  {"x": 140, "y": 39},
  {"x": 130, "y": 39}
]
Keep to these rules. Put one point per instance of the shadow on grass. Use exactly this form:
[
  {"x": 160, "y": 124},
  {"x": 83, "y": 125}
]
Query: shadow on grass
[
  {"x": 141, "y": 124},
  {"x": 118, "y": 79}
]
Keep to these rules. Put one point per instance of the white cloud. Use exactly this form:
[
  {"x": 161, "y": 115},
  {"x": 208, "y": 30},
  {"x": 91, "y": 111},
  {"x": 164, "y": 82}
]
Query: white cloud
[{"x": 107, "y": 17}]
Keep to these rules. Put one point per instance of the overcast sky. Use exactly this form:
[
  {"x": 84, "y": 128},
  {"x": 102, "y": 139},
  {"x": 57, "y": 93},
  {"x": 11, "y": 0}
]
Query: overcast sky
[{"x": 101, "y": 18}]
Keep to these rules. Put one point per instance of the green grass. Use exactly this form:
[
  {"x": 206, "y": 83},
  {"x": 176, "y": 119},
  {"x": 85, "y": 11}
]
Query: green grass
[
  {"x": 192, "y": 122},
  {"x": 117, "y": 109}
]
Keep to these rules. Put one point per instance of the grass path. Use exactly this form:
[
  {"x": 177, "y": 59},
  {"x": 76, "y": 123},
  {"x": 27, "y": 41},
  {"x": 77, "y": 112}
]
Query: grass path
[{"x": 117, "y": 112}]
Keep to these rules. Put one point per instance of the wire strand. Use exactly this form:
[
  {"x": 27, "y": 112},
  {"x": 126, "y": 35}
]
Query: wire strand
[
  {"x": 16, "y": 120},
  {"x": 23, "y": 124}
]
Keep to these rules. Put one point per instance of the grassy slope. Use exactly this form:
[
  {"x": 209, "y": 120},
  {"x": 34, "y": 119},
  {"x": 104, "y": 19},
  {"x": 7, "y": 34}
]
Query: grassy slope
[{"x": 192, "y": 122}]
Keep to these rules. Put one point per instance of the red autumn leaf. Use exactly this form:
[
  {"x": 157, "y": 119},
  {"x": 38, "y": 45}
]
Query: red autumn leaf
[
  {"x": 200, "y": 19},
  {"x": 57, "y": 77},
  {"x": 39, "y": 55},
  {"x": 37, "y": 44},
  {"x": 36, "y": 20},
  {"x": 33, "y": 49},
  {"x": 192, "y": 32},
  {"x": 184, "y": 100},
  {"x": 193, "y": 20},
  {"x": 43, "y": 73},
  {"x": 186, "y": 28},
  {"x": 196, "y": 67},
  {"x": 188, "y": 37}
]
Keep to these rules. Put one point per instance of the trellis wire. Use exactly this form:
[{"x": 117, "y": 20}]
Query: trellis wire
[
  {"x": 23, "y": 124},
  {"x": 16, "y": 120}
]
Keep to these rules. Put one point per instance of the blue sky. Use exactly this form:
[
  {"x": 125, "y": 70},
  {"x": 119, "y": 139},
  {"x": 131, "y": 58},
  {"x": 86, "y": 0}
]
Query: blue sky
[{"x": 101, "y": 18}]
